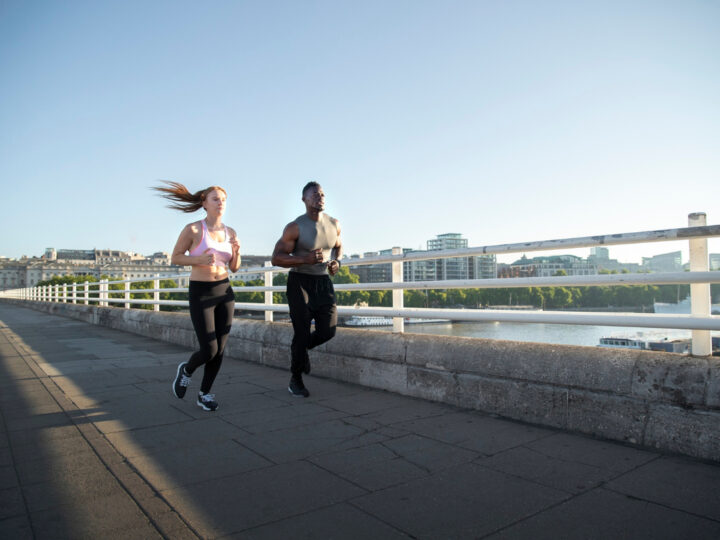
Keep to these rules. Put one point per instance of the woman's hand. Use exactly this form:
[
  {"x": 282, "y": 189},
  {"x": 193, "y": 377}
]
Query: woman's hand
[
  {"x": 206, "y": 259},
  {"x": 235, "y": 244}
]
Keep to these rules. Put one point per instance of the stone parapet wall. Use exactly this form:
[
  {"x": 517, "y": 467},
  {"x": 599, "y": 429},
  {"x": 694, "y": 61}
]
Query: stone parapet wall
[{"x": 661, "y": 400}]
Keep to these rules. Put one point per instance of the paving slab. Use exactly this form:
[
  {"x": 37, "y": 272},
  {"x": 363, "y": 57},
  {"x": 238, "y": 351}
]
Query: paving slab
[
  {"x": 336, "y": 522},
  {"x": 675, "y": 482},
  {"x": 261, "y": 497},
  {"x": 466, "y": 501},
  {"x": 601, "y": 514}
]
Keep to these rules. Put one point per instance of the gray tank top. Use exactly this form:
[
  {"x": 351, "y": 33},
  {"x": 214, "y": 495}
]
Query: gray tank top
[{"x": 320, "y": 234}]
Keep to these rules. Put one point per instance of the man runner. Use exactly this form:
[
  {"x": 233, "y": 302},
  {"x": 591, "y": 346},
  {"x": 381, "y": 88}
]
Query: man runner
[{"x": 310, "y": 246}]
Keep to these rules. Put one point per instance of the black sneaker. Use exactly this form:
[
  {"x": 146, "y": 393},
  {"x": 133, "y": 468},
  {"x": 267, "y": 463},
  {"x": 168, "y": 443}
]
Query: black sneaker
[
  {"x": 297, "y": 388},
  {"x": 207, "y": 401},
  {"x": 181, "y": 382}
]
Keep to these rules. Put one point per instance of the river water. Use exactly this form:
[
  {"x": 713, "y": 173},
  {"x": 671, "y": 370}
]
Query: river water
[{"x": 566, "y": 334}]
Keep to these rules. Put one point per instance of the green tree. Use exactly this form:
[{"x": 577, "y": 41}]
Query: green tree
[
  {"x": 171, "y": 284},
  {"x": 380, "y": 298},
  {"x": 280, "y": 297},
  {"x": 349, "y": 298},
  {"x": 415, "y": 299},
  {"x": 254, "y": 297}
]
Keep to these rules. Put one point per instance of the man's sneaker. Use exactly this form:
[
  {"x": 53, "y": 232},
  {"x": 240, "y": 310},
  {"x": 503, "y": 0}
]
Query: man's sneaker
[
  {"x": 207, "y": 401},
  {"x": 297, "y": 388},
  {"x": 181, "y": 382}
]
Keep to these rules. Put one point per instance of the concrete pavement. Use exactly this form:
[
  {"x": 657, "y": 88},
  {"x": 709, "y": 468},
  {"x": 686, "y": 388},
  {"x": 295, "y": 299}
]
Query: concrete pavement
[{"x": 94, "y": 445}]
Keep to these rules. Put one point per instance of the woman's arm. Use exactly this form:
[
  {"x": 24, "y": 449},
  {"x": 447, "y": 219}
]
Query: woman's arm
[
  {"x": 234, "y": 263},
  {"x": 183, "y": 244}
]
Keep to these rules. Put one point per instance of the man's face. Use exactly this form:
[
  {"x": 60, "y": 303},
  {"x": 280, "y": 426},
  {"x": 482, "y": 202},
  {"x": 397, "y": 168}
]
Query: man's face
[{"x": 314, "y": 198}]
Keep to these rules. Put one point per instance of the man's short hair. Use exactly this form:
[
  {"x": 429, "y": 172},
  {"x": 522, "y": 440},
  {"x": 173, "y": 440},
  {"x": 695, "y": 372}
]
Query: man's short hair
[{"x": 309, "y": 185}]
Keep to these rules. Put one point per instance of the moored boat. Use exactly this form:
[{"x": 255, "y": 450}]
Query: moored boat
[
  {"x": 681, "y": 346},
  {"x": 360, "y": 320}
]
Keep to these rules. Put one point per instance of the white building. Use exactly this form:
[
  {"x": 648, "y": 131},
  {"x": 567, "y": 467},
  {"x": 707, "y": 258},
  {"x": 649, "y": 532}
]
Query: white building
[
  {"x": 550, "y": 266},
  {"x": 476, "y": 267},
  {"x": 666, "y": 262},
  {"x": 27, "y": 272}
]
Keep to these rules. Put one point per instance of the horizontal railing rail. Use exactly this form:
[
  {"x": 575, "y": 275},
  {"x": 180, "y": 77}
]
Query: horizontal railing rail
[{"x": 701, "y": 322}]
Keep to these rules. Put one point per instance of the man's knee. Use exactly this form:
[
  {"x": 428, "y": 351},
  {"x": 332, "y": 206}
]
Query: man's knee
[{"x": 325, "y": 334}]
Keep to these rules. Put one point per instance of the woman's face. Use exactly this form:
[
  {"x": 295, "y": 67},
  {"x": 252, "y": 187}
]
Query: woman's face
[{"x": 214, "y": 203}]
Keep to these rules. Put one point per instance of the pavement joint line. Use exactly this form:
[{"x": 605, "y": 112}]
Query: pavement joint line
[
  {"x": 95, "y": 435},
  {"x": 570, "y": 494},
  {"x": 525, "y": 518},
  {"x": 252, "y": 451},
  {"x": 657, "y": 503}
]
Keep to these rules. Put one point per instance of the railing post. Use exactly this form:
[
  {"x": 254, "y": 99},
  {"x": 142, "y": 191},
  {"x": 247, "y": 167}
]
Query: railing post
[
  {"x": 156, "y": 294},
  {"x": 65, "y": 295},
  {"x": 397, "y": 294},
  {"x": 74, "y": 293},
  {"x": 699, "y": 292},
  {"x": 56, "y": 294},
  {"x": 268, "y": 294},
  {"x": 127, "y": 294},
  {"x": 103, "y": 293},
  {"x": 87, "y": 293}
]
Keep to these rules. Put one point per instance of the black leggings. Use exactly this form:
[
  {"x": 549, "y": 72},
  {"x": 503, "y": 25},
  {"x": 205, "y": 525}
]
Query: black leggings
[
  {"x": 309, "y": 297},
  {"x": 212, "y": 304}
]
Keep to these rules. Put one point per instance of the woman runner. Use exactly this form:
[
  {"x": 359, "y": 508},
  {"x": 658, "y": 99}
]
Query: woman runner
[{"x": 210, "y": 248}]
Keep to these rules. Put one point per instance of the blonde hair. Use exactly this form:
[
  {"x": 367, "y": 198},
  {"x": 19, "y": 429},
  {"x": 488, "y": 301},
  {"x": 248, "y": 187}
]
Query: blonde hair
[{"x": 183, "y": 199}]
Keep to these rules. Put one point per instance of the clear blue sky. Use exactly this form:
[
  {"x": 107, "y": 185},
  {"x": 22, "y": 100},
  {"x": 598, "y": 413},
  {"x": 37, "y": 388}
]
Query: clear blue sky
[{"x": 504, "y": 121}]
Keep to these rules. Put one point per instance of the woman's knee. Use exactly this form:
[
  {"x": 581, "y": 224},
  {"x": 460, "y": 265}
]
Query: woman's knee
[{"x": 209, "y": 351}]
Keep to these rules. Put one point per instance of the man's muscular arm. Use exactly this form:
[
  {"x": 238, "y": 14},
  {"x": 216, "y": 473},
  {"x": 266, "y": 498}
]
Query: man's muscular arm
[
  {"x": 282, "y": 254},
  {"x": 334, "y": 264}
]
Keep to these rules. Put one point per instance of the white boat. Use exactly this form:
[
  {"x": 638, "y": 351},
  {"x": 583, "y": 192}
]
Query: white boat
[
  {"x": 617, "y": 342},
  {"x": 657, "y": 343},
  {"x": 359, "y": 320}
]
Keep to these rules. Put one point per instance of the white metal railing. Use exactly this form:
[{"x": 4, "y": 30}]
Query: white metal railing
[{"x": 700, "y": 321}]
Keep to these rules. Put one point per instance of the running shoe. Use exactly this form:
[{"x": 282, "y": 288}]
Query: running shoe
[
  {"x": 181, "y": 382},
  {"x": 207, "y": 401},
  {"x": 297, "y": 388}
]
